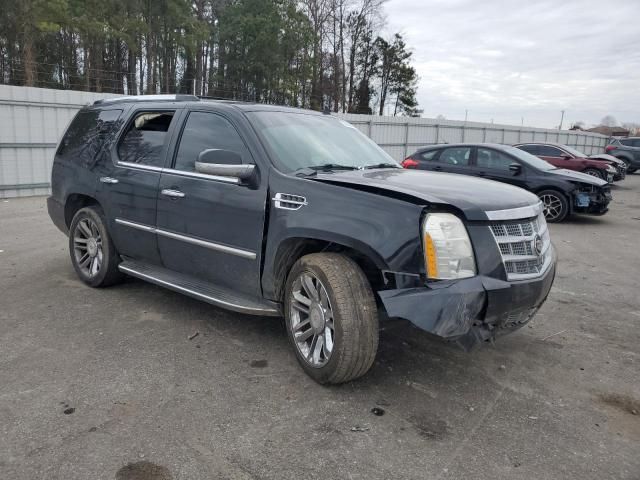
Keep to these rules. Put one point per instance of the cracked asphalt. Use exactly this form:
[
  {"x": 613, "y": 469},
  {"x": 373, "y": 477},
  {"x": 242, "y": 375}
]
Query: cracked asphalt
[{"x": 107, "y": 384}]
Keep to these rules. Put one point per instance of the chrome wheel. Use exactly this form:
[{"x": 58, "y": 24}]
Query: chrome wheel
[
  {"x": 595, "y": 173},
  {"x": 87, "y": 247},
  {"x": 311, "y": 319},
  {"x": 552, "y": 206}
]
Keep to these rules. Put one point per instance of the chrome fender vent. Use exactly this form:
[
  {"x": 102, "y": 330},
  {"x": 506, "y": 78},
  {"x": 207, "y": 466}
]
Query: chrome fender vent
[{"x": 286, "y": 201}]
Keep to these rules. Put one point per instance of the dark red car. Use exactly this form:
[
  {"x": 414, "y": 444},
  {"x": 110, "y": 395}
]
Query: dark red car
[{"x": 562, "y": 156}]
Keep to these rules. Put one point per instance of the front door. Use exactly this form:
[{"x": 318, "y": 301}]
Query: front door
[
  {"x": 558, "y": 158},
  {"x": 211, "y": 227},
  {"x": 495, "y": 165},
  {"x": 128, "y": 185}
]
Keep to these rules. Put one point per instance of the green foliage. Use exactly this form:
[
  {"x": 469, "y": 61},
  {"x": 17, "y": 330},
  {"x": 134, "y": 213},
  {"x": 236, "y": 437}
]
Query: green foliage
[{"x": 305, "y": 53}]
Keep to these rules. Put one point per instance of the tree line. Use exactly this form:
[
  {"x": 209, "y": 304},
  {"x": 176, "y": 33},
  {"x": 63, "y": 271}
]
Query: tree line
[{"x": 318, "y": 54}]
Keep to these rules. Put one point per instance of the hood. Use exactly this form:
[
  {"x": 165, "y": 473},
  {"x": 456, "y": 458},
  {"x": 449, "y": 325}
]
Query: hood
[
  {"x": 607, "y": 157},
  {"x": 577, "y": 177},
  {"x": 473, "y": 196}
]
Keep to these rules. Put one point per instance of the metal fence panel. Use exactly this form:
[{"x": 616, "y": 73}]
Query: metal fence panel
[{"x": 33, "y": 119}]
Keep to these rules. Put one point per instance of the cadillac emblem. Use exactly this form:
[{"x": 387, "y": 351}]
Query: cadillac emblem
[{"x": 537, "y": 245}]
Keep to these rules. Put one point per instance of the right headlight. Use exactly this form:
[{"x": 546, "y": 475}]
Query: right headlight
[{"x": 448, "y": 253}]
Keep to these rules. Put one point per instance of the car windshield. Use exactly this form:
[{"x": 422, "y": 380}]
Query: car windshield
[
  {"x": 527, "y": 158},
  {"x": 299, "y": 141},
  {"x": 574, "y": 152}
]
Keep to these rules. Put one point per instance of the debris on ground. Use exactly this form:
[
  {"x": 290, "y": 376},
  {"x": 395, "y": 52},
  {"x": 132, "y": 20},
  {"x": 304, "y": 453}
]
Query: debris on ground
[
  {"x": 193, "y": 335},
  {"x": 359, "y": 429},
  {"x": 377, "y": 411}
]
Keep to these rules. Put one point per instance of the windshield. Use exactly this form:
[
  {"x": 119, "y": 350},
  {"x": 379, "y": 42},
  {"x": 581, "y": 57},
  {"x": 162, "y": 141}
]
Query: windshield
[
  {"x": 574, "y": 152},
  {"x": 527, "y": 158},
  {"x": 297, "y": 141}
]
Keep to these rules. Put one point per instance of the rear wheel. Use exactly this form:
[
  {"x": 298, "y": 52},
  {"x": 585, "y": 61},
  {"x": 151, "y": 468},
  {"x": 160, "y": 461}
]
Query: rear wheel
[
  {"x": 93, "y": 254},
  {"x": 555, "y": 205},
  {"x": 594, "y": 172},
  {"x": 331, "y": 317}
]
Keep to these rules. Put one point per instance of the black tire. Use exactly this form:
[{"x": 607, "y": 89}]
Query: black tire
[
  {"x": 354, "y": 316},
  {"x": 594, "y": 172},
  {"x": 562, "y": 209},
  {"x": 107, "y": 272}
]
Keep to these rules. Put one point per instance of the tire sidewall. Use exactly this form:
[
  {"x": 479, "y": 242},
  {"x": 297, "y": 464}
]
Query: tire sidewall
[
  {"x": 563, "y": 200},
  {"x": 107, "y": 252},
  {"x": 598, "y": 173},
  {"x": 319, "y": 374}
]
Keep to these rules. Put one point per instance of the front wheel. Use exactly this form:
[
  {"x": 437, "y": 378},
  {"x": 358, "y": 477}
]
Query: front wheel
[
  {"x": 594, "y": 172},
  {"x": 554, "y": 204},
  {"x": 331, "y": 317},
  {"x": 93, "y": 254}
]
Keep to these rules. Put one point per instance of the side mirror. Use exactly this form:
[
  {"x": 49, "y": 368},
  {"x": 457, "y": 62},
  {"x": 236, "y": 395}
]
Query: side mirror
[
  {"x": 516, "y": 168},
  {"x": 566, "y": 157},
  {"x": 223, "y": 163}
]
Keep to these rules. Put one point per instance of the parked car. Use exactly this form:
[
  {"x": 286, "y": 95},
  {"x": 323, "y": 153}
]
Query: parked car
[
  {"x": 276, "y": 211},
  {"x": 619, "y": 165},
  {"x": 563, "y": 156},
  {"x": 627, "y": 150},
  {"x": 561, "y": 191}
]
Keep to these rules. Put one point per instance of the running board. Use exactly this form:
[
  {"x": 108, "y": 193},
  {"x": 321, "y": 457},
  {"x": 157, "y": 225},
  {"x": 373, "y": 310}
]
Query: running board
[{"x": 220, "y": 297}]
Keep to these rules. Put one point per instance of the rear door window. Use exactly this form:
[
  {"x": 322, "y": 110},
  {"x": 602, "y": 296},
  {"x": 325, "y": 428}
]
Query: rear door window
[
  {"x": 145, "y": 138},
  {"x": 455, "y": 156},
  {"x": 627, "y": 142},
  {"x": 549, "y": 151},
  {"x": 532, "y": 149},
  {"x": 86, "y": 136},
  {"x": 429, "y": 155}
]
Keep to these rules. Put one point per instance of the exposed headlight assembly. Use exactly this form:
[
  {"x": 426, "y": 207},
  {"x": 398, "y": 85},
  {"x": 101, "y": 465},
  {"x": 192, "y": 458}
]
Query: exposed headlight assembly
[
  {"x": 611, "y": 169},
  {"x": 448, "y": 253}
]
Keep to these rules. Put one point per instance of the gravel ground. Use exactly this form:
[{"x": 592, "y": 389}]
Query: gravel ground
[{"x": 105, "y": 383}]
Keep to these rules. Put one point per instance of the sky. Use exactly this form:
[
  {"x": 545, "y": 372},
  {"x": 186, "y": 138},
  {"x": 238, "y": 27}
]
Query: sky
[{"x": 524, "y": 60}]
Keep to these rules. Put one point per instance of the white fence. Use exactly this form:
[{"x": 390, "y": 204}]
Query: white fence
[{"x": 33, "y": 119}]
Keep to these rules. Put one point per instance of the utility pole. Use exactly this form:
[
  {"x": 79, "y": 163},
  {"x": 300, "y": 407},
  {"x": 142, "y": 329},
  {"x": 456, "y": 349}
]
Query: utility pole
[
  {"x": 561, "y": 120},
  {"x": 466, "y": 112},
  {"x": 522, "y": 121}
]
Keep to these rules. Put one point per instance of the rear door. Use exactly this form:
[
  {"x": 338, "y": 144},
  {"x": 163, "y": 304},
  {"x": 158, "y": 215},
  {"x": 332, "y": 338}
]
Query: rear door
[
  {"x": 211, "y": 227},
  {"x": 128, "y": 184},
  {"x": 454, "y": 160},
  {"x": 495, "y": 165}
]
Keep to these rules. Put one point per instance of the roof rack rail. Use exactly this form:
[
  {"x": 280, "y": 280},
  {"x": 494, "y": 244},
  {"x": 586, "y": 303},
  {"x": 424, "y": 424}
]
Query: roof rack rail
[{"x": 149, "y": 98}]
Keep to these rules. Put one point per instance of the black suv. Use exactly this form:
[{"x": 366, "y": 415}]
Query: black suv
[
  {"x": 627, "y": 150},
  {"x": 561, "y": 191},
  {"x": 276, "y": 211}
]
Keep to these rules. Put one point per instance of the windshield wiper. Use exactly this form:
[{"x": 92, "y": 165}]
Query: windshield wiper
[
  {"x": 326, "y": 167},
  {"x": 382, "y": 165}
]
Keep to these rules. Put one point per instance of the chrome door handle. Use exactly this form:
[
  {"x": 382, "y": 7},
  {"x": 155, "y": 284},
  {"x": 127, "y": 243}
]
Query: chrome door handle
[
  {"x": 109, "y": 180},
  {"x": 172, "y": 193}
]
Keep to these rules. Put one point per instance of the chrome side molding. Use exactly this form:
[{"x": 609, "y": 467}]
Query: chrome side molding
[{"x": 239, "y": 252}]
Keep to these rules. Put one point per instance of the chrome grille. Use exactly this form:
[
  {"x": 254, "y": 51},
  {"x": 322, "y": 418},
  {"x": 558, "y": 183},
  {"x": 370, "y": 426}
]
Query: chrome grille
[{"x": 516, "y": 240}]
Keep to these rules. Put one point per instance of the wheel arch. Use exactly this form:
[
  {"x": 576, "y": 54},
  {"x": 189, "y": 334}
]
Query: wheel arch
[
  {"x": 292, "y": 249},
  {"x": 75, "y": 202}
]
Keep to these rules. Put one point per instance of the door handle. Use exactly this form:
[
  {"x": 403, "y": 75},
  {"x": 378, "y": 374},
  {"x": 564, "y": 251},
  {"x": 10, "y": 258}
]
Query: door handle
[
  {"x": 172, "y": 193},
  {"x": 437, "y": 169},
  {"x": 109, "y": 180},
  {"x": 482, "y": 174}
]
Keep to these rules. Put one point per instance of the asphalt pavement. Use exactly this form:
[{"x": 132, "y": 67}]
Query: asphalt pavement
[{"x": 135, "y": 382}]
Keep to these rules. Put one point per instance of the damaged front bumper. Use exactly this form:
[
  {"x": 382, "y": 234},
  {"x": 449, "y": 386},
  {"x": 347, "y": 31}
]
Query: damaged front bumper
[
  {"x": 471, "y": 311},
  {"x": 593, "y": 201}
]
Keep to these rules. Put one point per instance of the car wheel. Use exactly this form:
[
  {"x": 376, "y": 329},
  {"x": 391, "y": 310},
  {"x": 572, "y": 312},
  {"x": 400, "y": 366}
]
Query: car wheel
[
  {"x": 631, "y": 170},
  {"x": 555, "y": 205},
  {"x": 93, "y": 254},
  {"x": 331, "y": 317},
  {"x": 594, "y": 172}
]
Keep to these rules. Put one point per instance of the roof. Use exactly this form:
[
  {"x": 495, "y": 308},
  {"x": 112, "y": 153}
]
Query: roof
[
  {"x": 611, "y": 131},
  {"x": 498, "y": 146},
  {"x": 173, "y": 98}
]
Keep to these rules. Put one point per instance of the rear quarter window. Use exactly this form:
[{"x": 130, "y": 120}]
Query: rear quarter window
[{"x": 87, "y": 135}]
